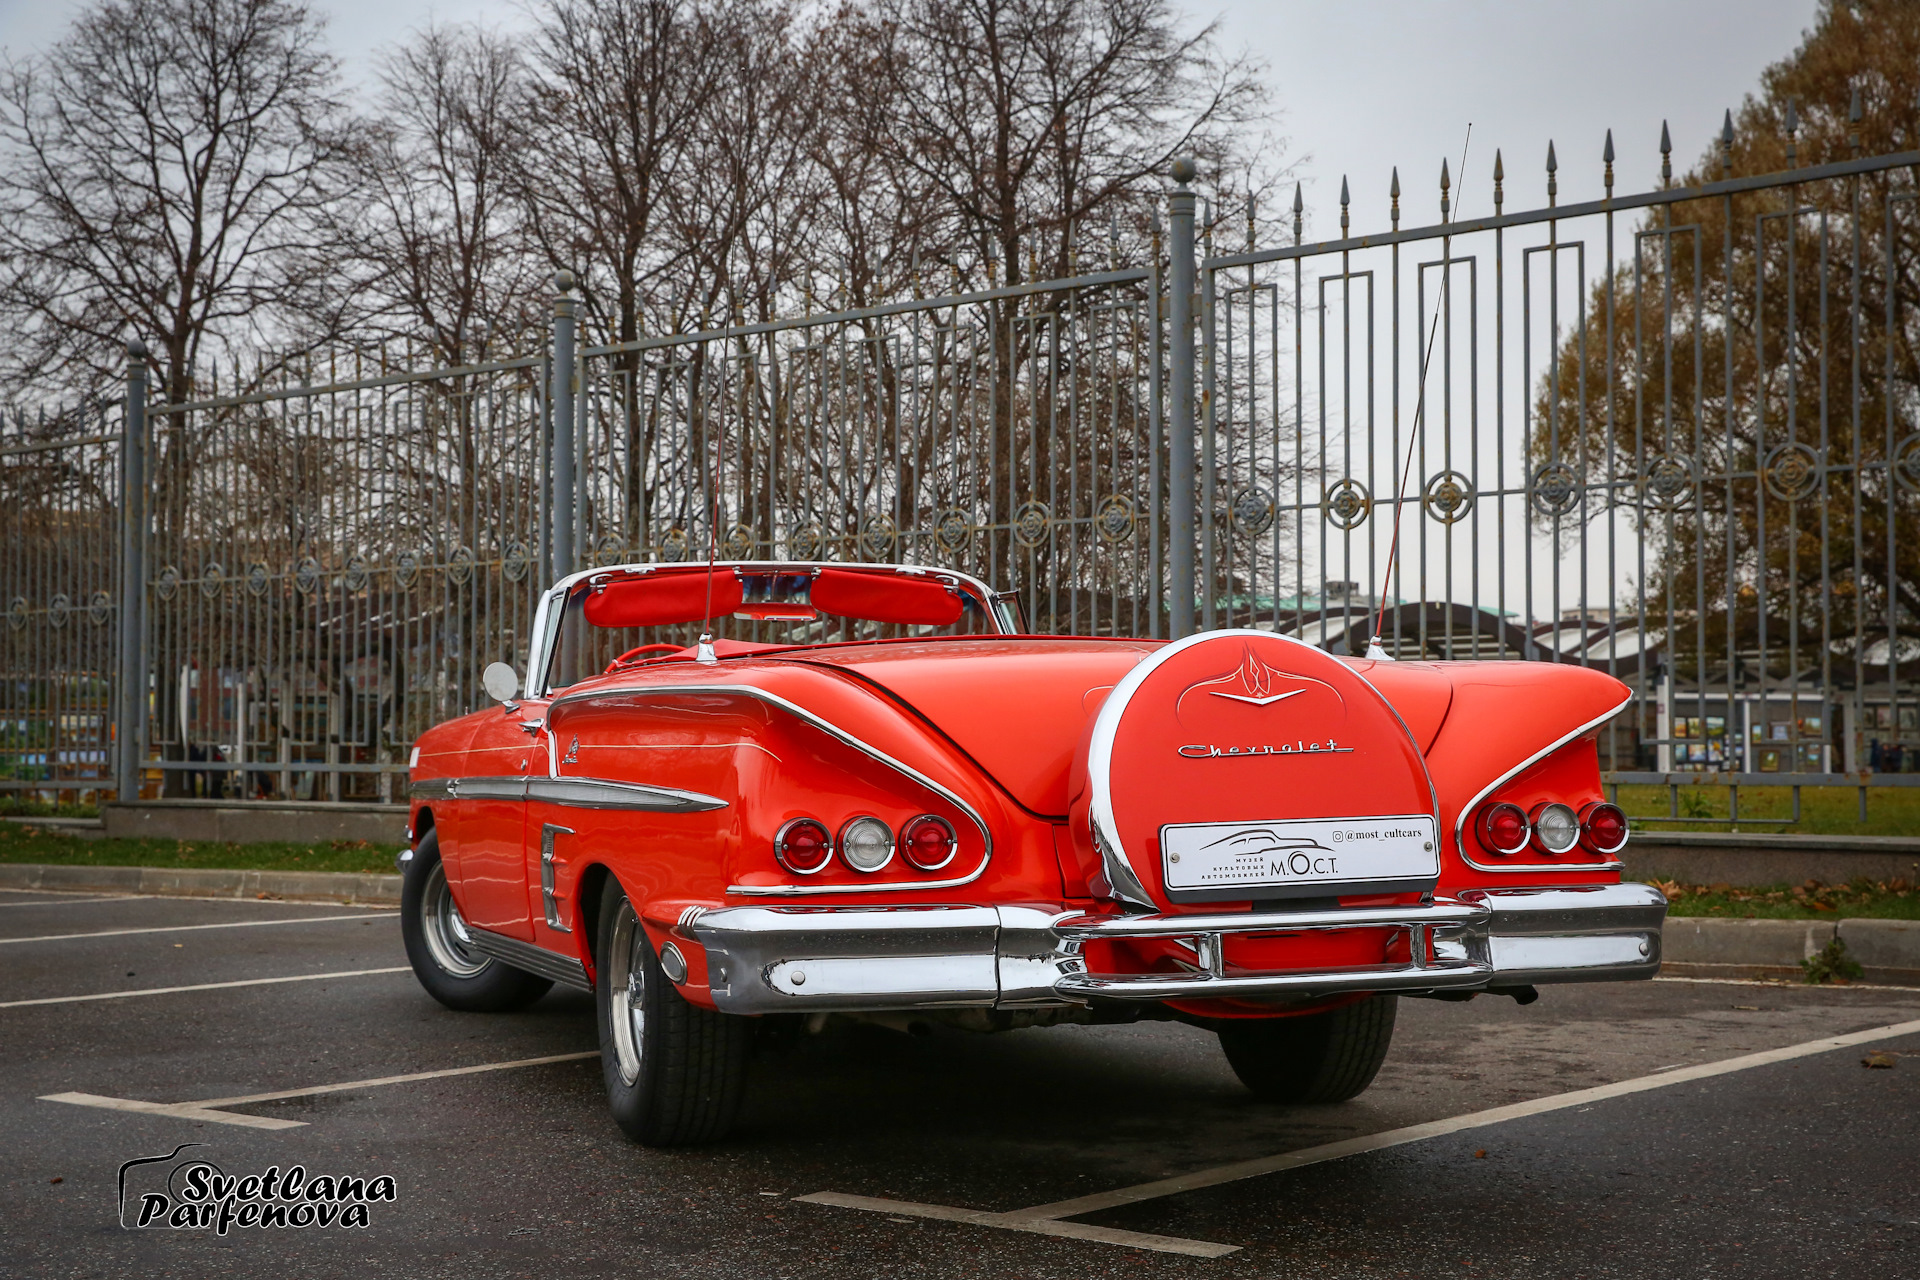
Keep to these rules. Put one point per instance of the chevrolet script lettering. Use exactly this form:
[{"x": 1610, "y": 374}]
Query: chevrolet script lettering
[{"x": 1210, "y": 750}]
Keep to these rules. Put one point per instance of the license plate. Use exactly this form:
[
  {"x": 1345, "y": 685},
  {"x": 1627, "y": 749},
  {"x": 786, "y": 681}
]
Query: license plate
[{"x": 1287, "y": 857}]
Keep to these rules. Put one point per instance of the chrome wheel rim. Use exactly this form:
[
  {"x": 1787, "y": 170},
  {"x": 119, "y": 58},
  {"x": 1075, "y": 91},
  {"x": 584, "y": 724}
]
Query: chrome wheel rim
[
  {"x": 626, "y": 990},
  {"x": 446, "y": 933}
]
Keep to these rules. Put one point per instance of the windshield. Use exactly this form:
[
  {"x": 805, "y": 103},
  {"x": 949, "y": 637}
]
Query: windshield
[{"x": 636, "y": 615}]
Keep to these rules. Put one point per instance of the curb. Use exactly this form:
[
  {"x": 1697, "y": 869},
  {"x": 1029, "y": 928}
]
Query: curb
[
  {"x": 1713, "y": 947},
  {"x": 297, "y": 886}
]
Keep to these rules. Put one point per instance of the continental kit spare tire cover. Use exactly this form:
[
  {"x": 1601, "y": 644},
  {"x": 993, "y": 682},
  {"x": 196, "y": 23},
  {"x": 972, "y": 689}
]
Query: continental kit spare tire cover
[{"x": 1242, "y": 765}]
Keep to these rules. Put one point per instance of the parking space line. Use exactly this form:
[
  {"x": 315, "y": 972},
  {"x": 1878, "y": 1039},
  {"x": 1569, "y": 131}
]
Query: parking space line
[
  {"x": 200, "y": 986},
  {"x": 1037, "y": 1226},
  {"x": 209, "y": 1109},
  {"x": 76, "y": 900},
  {"x": 188, "y": 928},
  {"x": 303, "y": 900},
  {"x": 1031, "y": 1219}
]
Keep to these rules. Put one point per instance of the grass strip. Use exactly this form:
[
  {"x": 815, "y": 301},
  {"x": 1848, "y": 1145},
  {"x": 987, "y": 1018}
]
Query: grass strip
[
  {"x": 23, "y": 842},
  {"x": 1880, "y": 900}
]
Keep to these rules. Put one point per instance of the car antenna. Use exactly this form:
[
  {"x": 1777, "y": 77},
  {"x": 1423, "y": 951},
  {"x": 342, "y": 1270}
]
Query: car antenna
[
  {"x": 703, "y": 652},
  {"x": 1375, "y": 650}
]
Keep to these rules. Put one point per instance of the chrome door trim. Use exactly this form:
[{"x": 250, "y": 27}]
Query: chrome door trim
[
  {"x": 549, "y": 898},
  {"x": 565, "y": 970},
  {"x": 603, "y": 793}
]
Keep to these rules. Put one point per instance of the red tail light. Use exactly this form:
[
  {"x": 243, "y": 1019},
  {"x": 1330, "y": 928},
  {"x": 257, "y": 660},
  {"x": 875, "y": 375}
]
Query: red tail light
[
  {"x": 1504, "y": 828},
  {"x": 928, "y": 842},
  {"x": 1603, "y": 827},
  {"x": 803, "y": 846}
]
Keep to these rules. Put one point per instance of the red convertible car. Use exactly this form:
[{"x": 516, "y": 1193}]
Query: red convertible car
[{"x": 879, "y": 800}]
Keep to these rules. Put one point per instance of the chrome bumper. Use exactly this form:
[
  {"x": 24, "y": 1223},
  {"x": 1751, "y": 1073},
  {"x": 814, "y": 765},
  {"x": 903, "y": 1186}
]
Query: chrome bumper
[{"x": 826, "y": 959}]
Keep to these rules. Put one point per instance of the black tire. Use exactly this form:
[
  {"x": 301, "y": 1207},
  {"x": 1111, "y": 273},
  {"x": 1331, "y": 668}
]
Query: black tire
[
  {"x": 437, "y": 947},
  {"x": 1321, "y": 1057},
  {"x": 675, "y": 1072}
]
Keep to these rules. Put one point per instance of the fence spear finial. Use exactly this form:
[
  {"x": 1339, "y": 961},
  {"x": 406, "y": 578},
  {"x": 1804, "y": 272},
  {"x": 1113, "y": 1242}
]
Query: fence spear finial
[
  {"x": 1553, "y": 168},
  {"x": 1726, "y": 143},
  {"x": 1792, "y": 124},
  {"x": 1345, "y": 200},
  {"x": 1445, "y": 183},
  {"x": 1299, "y": 207},
  {"x": 1853, "y": 119},
  {"x": 1393, "y": 191},
  {"x": 1606, "y": 157},
  {"x": 1499, "y": 176}
]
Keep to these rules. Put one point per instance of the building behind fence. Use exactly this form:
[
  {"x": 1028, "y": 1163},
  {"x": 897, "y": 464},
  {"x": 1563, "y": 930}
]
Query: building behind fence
[{"x": 1670, "y": 435}]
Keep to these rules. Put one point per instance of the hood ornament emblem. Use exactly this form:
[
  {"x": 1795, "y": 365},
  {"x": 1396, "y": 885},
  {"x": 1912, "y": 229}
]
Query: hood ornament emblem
[{"x": 1252, "y": 682}]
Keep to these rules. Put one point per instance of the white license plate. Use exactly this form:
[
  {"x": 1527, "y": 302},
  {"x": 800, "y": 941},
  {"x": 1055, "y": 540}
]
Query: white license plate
[{"x": 1214, "y": 856}]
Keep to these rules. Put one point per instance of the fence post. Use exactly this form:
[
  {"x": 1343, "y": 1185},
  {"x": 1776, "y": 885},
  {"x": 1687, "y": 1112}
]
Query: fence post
[
  {"x": 1180, "y": 517},
  {"x": 130, "y": 719},
  {"x": 560, "y": 502}
]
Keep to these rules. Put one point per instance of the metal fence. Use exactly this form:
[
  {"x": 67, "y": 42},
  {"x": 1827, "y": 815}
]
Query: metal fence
[{"x": 1669, "y": 435}]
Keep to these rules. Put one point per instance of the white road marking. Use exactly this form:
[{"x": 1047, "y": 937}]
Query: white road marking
[
  {"x": 1038, "y": 1226},
  {"x": 1042, "y": 1217},
  {"x": 208, "y": 1109},
  {"x": 1788, "y": 983},
  {"x": 201, "y": 986},
  {"x": 187, "y": 928},
  {"x": 74, "y": 900},
  {"x": 271, "y": 900}
]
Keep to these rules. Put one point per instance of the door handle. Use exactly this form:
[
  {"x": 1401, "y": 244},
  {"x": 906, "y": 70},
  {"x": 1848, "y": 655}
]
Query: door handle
[{"x": 531, "y": 727}]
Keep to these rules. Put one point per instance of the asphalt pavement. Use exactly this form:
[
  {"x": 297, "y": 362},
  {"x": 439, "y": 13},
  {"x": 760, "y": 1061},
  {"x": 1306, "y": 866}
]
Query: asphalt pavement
[{"x": 931, "y": 1152}]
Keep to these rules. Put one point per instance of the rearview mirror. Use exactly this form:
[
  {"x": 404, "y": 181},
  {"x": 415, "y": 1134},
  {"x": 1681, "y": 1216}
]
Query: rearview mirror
[{"x": 501, "y": 682}]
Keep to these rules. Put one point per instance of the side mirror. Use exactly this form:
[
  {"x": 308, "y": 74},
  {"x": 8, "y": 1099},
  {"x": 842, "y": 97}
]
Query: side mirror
[{"x": 501, "y": 682}]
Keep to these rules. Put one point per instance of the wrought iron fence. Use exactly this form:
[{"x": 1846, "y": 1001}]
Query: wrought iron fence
[{"x": 1670, "y": 435}]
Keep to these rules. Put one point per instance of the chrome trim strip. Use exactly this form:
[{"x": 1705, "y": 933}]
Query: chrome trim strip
[
  {"x": 833, "y": 731},
  {"x": 1460, "y": 822},
  {"x": 1121, "y": 874},
  {"x": 1440, "y": 914},
  {"x": 564, "y": 970},
  {"x": 1438, "y": 975},
  {"x": 549, "y": 898},
  {"x": 479, "y": 788},
  {"x": 602, "y": 793}
]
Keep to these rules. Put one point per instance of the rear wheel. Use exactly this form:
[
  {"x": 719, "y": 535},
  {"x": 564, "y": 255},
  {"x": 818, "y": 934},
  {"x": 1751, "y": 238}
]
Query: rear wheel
[
  {"x": 675, "y": 1072},
  {"x": 1321, "y": 1057},
  {"x": 440, "y": 947}
]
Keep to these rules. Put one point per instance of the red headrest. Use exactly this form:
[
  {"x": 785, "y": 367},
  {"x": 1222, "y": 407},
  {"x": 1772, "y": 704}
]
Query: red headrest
[
  {"x": 657, "y": 601},
  {"x": 886, "y": 597}
]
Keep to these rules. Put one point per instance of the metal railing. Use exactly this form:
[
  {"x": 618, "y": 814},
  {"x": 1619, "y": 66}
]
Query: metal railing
[{"x": 1669, "y": 435}]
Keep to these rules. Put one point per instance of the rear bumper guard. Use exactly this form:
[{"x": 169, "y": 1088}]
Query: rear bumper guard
[{"x": 824, "y": 959}]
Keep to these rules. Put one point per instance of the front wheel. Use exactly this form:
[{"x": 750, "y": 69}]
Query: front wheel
[
  {"x": 1320, "y": 1057},
  {"x": 675, "y": 1072},
  {"x": 440, "y": 948}
]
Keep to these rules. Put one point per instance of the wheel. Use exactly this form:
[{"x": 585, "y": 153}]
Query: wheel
[
  {"x": 675, "y": 1072},
  {"x": 440, "y": 948},
  {"x": 1321, "y": 1057}
]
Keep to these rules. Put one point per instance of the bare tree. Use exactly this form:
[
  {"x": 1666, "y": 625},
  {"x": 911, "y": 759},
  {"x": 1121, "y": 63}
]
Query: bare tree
[
  {"x": 439, "y": 233},
  {"x": 164, "y": 168}
]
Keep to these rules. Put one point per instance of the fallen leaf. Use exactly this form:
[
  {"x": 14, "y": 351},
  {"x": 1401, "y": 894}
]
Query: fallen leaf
[
  {"x": 1877, "y": 1059},
  {"x": 63, "y": 1179},
  {"x": 1748, "y": 1008},
  {"x": 1481, "y": 1154}
]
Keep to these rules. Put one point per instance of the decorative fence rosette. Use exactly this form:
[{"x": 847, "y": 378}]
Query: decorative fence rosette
[
  {"x": 1793, "y": 472},
  {"x": 167, "y": 582},
  {"x": 804, "y": 541},
  {"x": 1348, "y": 504},
  {"x": 674, "y": 547},
  {"x": 1115, "y": 519},
  {"x": 877, "y": 538},
  {"x": 258, "y": 578},
  {"x": 953, "y": 528},
  {"x": 1252, "y": 512},
  {"x": 515, "y": 561},
  {"x": 406, "y": 568},
  {"x": 306, "y": 574},
  {"x": 609, "y": 549},
  {"x": 1448, "y": 497},
  {"x": 57, "y": 610},
  {"x": 738, "y": 544},
  {"x": 1906, "y": 462},
  {"x": 1555, "y": 489},
  {"x": 460, "y": 566},
  {"x": 1031, "y": 524},
  {"x": 212, "y": 579},
  {"x": 1668, "y": 483},
  {"x": 100, "y": 608},
  {"x": 17, "y": 612},
  {"x": 356, "y": 576}
]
